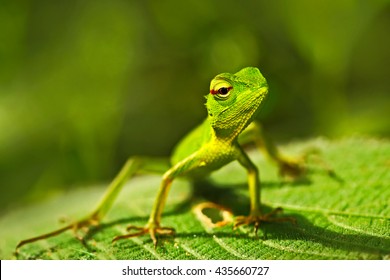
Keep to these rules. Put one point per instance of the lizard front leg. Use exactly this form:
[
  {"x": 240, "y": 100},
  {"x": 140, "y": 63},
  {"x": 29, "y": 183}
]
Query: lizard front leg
[
  {"x": 255, "y": 216},
  {"x": 153, "y": 227},
  {"x": 289, "y": 167}
]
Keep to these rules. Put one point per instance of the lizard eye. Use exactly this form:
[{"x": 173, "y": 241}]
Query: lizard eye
[{"x": 221, "y": 90}]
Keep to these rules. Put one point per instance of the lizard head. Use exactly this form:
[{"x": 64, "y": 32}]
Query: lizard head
[{"x": 234, "y": 100}]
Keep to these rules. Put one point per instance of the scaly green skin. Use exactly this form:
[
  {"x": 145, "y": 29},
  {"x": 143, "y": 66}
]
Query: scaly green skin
[{"x": 233, "y": 102}]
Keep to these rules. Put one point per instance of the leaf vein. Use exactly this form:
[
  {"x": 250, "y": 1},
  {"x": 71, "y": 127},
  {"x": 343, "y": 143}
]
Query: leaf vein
[{"x": 229, "y": 249}]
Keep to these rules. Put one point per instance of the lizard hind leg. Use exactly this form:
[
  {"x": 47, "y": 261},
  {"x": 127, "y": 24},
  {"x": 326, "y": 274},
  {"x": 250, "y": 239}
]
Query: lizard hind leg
[
  {"x": 84, "y": 224},
  {"x": 133, "y": 166},
  {"x": 291, "y": 168}
]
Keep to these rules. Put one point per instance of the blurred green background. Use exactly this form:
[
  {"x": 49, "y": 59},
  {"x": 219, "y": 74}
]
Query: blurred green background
[{"x": 85, "y": 84}]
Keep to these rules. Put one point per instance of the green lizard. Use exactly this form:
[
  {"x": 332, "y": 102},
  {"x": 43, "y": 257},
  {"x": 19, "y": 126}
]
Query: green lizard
[{"x": 232, "y": 104}]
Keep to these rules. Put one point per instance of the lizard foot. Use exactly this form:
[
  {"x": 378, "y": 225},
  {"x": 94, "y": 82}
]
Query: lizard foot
[
  {"x": 291, "y": 168},
  {"x": 152, "y": 229},
  {"x": 256, "y": 220},
  {"x": 83, "y": 225}
]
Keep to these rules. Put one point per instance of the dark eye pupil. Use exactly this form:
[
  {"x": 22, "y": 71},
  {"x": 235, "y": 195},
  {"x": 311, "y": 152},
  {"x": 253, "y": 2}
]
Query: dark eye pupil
[{"x": 223, "y": 91}]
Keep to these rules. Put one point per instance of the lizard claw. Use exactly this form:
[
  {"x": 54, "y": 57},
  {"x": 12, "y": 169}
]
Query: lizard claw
[
  {"x": 84, "y": 225},
  {"x": 257, "y": 219},
  {"x": 152, "y": 229}
]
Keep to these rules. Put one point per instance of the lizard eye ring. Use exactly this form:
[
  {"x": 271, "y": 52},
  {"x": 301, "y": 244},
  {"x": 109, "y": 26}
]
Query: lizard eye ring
[{"x": 221, "y": 90}]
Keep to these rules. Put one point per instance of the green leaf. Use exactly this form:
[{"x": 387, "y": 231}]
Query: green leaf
[{"x": 345, "y": 216}]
